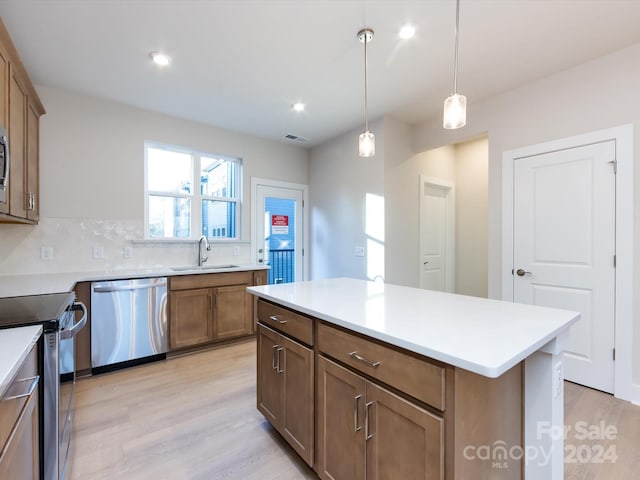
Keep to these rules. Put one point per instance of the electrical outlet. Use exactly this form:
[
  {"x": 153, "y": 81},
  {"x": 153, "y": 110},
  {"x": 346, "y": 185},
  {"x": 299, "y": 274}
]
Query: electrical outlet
[
  {"x": 358, "y": 251},
  {"x": 236, "y": 251},
  {"x": 558, "y": 378},
  {"x": 46, "y": 253},
  {"x": 97, "y": 252},
  {"x": 127, "y": 252}
]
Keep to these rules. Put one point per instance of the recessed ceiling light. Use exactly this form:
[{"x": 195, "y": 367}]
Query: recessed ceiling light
[
  {"x": 407, "y": 32},
  {"x": 298, "y": 107},
  {"x": 160, "y": 58}
]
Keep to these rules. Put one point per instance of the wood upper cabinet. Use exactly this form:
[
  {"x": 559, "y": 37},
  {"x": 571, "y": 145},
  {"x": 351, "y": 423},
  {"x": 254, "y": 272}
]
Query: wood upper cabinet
[
  {"x": 17, "y": 143},
  {"x": 365, "y": 431},
  {"x": 4, "y": 105},
  {"x": 32, "y": 163},
  {"x": 285, "y": 389},
  {"x": 20, "y": 112}
]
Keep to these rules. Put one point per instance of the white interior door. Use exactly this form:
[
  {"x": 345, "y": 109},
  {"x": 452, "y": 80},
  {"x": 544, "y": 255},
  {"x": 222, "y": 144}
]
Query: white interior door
[
  {"x": 436, "y": 235},
  {"x": 279, "y": 232},
  {"x": 564, "y": 247}
]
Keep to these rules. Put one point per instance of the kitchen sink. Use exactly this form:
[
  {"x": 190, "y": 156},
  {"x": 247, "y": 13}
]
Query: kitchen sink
[{"x": 202, "y": 267}]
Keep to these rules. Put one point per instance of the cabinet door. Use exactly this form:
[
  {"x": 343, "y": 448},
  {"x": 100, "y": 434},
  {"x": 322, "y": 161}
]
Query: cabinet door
[
  {"x": 404, "y": 441},
  {"x": 17, "y": 123},
  {"x": 232, "y": 313},
  {"x": 190, "y": 317},
  {"x": 4, "y": 104},
  {"x": 20, "y": 458},
  {"x": 340, "y": 416},
  {"x": 296, "y": 371},
  {"x": 269, "y": 386},
  {"x": 32, "y": 165}
]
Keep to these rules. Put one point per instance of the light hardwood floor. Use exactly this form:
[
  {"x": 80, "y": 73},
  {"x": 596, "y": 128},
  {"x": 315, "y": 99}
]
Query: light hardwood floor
[{"x": 194, "y": 417}]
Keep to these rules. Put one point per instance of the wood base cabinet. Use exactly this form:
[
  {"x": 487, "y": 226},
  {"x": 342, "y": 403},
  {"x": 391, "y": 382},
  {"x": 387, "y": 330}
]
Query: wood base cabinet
[
  {"x": 285, "y": 389},
  {"x": 19, "y": 424},
  {"x": 207, "y": 308},
  {"x": 381, "y": 412},
  {"x": 368, "y": 432}
]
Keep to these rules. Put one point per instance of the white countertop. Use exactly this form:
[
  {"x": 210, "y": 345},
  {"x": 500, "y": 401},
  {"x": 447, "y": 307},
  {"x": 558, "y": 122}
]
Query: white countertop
[
  {"x": 34, "y": 284},
  {"x": 483, "y": 336},
  {"x": 15, "y": 345}
]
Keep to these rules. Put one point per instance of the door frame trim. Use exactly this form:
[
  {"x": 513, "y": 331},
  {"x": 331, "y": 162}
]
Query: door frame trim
[
  {"x": 255, "y": 181},
  {"x": 450, "y": 240},
  {"x": 624, "y": 387}
]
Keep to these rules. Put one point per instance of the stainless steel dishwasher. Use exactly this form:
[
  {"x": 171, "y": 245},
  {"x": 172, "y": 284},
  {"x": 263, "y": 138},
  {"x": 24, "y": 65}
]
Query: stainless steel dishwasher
[{"x": 128, "y": 322}]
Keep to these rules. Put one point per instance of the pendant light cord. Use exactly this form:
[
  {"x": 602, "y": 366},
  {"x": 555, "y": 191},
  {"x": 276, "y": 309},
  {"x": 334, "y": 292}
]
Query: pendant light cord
[
  {"x": 366, "y": 112},
  {"x": 455, "y": 61}
]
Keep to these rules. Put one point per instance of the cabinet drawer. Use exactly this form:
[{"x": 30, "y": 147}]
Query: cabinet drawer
[
  {"x": 414, "y": 376},
  {"x": 287, "y": 321},
  {"x": 208, "y": 280},
  {"x": 10, "y": 408}
]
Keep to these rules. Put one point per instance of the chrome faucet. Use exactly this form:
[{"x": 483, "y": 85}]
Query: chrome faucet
[{"x": 203, "y": 258}]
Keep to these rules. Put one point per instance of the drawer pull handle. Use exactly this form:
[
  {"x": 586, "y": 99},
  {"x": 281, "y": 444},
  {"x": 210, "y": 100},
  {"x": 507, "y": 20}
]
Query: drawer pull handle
[
  {"x": 360, "y": 358},
  {"x": 276, "y": 319},
  {"x": 356, "y": 426},
  {"x": 24, "y": 387},
  {"x": 367, "y": 418}
]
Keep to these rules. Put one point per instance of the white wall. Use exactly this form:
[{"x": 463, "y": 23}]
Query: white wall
[
  {"x": 472, "y": 183},
  {"x": 465, "y": 166},
  {"x": 339, "y": 181},
  {"x": 596, "y": 95},
  {"x": 92, "y": 184}
]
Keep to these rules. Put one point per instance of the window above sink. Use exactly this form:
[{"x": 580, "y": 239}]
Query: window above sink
[{"x": 189, "y": 193}]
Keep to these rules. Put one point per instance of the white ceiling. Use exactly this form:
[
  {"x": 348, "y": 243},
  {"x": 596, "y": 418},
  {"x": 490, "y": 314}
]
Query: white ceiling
[{"x": 241, "y": 64}]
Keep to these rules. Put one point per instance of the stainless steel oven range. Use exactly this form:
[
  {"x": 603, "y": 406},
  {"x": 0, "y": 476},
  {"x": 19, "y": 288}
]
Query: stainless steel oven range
[{"x": 56, "y": 367}]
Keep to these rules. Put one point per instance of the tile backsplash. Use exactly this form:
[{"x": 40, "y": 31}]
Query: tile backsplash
[{"x": 72, "y": 245}]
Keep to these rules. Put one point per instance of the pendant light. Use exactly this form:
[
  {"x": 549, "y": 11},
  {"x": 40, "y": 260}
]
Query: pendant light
[
  {"x": 367, "y": 141},
  {"x": 455, "y": 105}
]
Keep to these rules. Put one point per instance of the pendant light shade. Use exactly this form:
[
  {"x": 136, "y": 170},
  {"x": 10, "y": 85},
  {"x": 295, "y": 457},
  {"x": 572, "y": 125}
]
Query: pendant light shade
[
  {"x": 367, "y": 140},
  {"x": 367, "y": 144},
  {"x": 455, "y": 105},
  {"x": 455, "y": 111}
]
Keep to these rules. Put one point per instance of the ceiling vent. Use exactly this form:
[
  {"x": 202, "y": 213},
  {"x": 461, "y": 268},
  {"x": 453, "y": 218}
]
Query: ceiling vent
[{"x": 295, "y": 138}]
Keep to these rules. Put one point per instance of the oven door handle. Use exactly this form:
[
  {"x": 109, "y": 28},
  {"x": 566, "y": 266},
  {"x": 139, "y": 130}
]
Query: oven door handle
[{"x": 73, "y": 331}]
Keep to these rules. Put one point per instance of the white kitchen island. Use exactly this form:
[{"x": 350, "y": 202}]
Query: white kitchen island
[{"x": 486, "y": 337}]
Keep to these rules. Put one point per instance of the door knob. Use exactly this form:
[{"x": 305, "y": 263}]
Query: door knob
[{"x": 521, "y": 273}]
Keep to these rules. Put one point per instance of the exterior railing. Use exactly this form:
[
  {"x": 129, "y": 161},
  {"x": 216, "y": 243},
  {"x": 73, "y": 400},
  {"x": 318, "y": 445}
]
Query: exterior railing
[{"x": 282, "y": 263}]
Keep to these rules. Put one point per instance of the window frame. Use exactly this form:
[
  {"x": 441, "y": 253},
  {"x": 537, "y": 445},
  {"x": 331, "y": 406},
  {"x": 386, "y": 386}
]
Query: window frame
[{"x": 195, "y": 198}]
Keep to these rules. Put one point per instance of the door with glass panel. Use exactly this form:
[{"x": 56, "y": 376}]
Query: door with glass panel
[{"x": 279, "y": 232}]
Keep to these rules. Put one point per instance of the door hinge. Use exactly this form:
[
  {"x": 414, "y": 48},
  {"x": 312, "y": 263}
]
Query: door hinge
[
  {"x": 303, "y": 252},
  {"x": 614, "y": 261},
  {"x": 512, "y": 271},
  {"x": 614, "y": 354},
  {"x": 302, "y": 203},
  {"x": 614, "y": 164}
]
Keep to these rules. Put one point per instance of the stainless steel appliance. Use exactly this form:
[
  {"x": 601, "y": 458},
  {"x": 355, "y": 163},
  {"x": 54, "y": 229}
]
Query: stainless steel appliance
[
  {"x": 4, "y": 166},
  {"x": 128, "y": 322},
  {"x": 56, "y": 313}
]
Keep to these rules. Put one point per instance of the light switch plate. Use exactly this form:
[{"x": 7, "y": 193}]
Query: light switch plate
[
  {"x": 97, "y": 252},
  {"x": 127, "y": 252},
  {"x": 46, "y": 253},
  {"x": 236, "y": 251}
]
